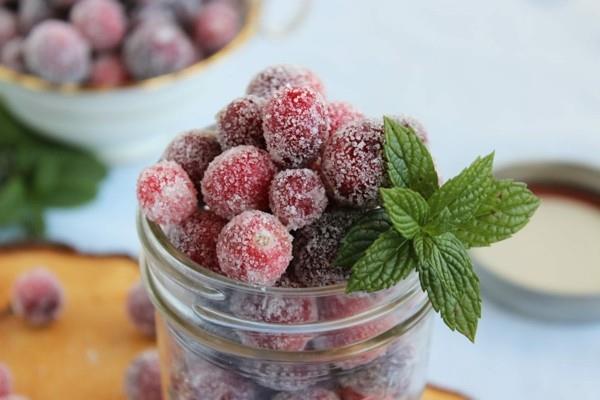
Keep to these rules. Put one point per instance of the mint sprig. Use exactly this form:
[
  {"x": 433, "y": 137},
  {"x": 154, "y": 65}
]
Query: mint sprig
[{"x": 426, "y": 228}]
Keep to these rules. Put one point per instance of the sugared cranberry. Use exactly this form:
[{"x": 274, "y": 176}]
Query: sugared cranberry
[
  {"x": 352, "y": 164},
  {"x": 155, "y": 49},
  {"x": 165, "y": 193},
  {"x": 297, "y": 197},
  {"x": 11, "y": 54},
  {"x": 141, "y": 310},
  {"x": 32, "y": 12},
  {"x": 197, "y": 237},
  {"x": 108, "y": 71},
  {"x": 272, "y": 79},
  {"x": 216, "y": 25},
  {"x": 415, "y": 125},
  {"x": 38, "y": 297},
  {"x": 153, "y": 12},
  {"x": 254, "y": 247},
  {"x": 6, "y": 381},
  {"x": 193, "y": 150},
  {"x": 295, "y": 124},
  {"x": 286, "y": 377},
  {"x": 341, "y": 113},
  {"x": 315, "y": 393},
  {"x": 8, "y": 26},
  {"x": 278, "y": 310},
  {"x": 385, "y": 378},
  {"x": 316, "y": 246},
  {"x": 240, "y": 123},
  {"x": 205, "y": 381},
  {"x": 142, "y": 378},
  {"x": 238, "y": 180},
  {"x": 55, "y": 51},
  {"x": 102, "y": 22}
]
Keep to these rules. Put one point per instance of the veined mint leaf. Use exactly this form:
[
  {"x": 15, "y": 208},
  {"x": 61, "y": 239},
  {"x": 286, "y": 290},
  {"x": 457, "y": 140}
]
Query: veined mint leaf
[
  {"x": 463, "y": 195},
  {"x": 409, "y": 163},
  {"x": 507, "y": 209},
  {"x": 446, "y": 273},
  {"x": 407, "y": 209},
  {"x": 362, "y": 234},
  {"x": 387, "y": 261}
]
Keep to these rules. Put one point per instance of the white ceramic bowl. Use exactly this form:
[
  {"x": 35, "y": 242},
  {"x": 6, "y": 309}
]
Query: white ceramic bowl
[{"x": 125, "y": 123}]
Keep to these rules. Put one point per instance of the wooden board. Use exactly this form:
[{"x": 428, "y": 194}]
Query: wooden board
[{"x": 82, "y": 355}]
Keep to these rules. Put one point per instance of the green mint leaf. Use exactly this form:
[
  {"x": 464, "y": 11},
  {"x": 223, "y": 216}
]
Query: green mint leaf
[
  {"x": 407, "y": 209},
  {"x": 409, "y": 163},
  {"x": 386, "y": 262},
  {"x": 12, "y": 201},
  {"x": 362, "y": 234},
  {"x": 506, "y": 210},
  {"x": 446, "y": 273},
  {"x": 463, "y": 194}
]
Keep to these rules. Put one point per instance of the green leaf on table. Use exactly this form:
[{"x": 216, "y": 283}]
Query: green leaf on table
[
  {"x": 507, "y": 209},
  {"x": 407, "y": 209},
  {"x": 385, "y": 263},
  {"x": 409, "y": 163},
  {"x": 446, "y": 274},
  {"x": 362, "y": 234}
]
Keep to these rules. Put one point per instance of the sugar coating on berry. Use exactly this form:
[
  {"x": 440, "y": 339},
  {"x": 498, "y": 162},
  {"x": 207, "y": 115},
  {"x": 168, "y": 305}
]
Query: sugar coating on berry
[
  {"x": 238, "y": 180},
  {"x": 270, "y": 80},
  {"x": 108, "y": 71},
  {"x": 307, "y": 394},
  {"x": 102, "y": 22},
  {"x": 316, "y": 246},
  {"x": 141, "y": 310},
  {"x": 205, "y": 381},
  {"x": 153, "y": 12},
  {"x": 142, "y": 378},
  {"x": 216, "y": 25},
  {"x": 340, "y": 113},
  {"x": 154, "y": 49},
  {"x": 8, "y": 26},
  {"x": 37, "y": 297},
  {"x": 11, "y": 54},
  {"x": 297, "y": 197},
  {"x": 240, "y": 123},
  {"x": 193, "y": 150},
  {"x": 6, "y": 381},
  {"x": 384, "y": 378},
  {"x": 32, "y": 12},
  {"x": 277, "y": 310},
  {"x": 414, "y": 124},
  {"x": 295, "y": 124},
  {"x": 254, "y": 247},
  {"x": 287, "y": 377},
  {"x": 352, "y": 164},
  {"x": 165, "y": 193},
  {"x": 288, "y": 280},
  {"x": 197, "y": 237},
  {"x": 346, "y": 305},
  {"x": 57, "y": 52}
]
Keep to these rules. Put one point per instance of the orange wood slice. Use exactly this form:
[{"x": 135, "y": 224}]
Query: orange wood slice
[{"x": 84, "y": 354}]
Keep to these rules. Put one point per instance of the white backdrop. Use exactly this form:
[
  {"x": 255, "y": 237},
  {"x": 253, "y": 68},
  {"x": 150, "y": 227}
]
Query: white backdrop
[{"x": 518, "y": 76}]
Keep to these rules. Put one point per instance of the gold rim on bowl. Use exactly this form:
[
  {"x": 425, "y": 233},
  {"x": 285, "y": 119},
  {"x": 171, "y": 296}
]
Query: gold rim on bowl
[{"x": 38, "y": 84}]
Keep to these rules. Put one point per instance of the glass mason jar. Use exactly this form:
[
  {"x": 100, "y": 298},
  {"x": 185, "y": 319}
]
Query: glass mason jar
[{"x": 221, "y": 339}]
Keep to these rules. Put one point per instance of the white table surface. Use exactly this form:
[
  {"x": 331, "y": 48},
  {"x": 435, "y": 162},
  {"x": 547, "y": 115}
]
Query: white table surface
[{"x": 518, "y": 76}]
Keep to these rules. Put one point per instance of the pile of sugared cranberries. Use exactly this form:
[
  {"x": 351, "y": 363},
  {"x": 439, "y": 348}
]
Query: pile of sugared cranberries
[
  {"x": 37, "y": 297},
  {"x": 109, "y": 43},
  {"x": 266, "y": 196}
]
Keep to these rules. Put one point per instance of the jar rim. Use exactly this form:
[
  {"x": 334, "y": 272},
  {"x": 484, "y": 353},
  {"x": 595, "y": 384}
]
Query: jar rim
[{"x": 187, "y": 271}]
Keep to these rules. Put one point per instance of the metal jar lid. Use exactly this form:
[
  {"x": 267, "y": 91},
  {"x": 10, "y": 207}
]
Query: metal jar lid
[{"x": 532, "y": 301}]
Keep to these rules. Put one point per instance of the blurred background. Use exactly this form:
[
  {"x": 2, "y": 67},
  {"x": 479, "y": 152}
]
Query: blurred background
[{"x": 520, "y": 77}]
